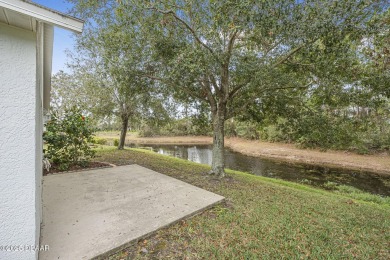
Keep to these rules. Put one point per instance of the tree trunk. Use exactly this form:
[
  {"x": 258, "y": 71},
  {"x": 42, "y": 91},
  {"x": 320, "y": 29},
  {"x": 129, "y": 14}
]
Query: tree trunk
[
  {"x": 125, "y": 124},
  {"x": 218, "y": 162}
]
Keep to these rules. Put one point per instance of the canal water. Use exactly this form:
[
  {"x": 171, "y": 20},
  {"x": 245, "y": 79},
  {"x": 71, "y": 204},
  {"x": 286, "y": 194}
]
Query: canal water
[{"x": 312, "y": 175}]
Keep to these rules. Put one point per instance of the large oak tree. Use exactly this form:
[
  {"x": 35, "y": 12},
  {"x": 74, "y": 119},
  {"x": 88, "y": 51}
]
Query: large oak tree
[{"x": 230, "y": 53}]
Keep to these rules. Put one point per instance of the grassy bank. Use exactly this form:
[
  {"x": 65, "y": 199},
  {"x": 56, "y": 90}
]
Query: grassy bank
[{"x": 265, "y": 218}]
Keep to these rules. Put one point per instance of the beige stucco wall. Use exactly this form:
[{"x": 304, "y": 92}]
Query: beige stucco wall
[{"x": 20, "y": 143}]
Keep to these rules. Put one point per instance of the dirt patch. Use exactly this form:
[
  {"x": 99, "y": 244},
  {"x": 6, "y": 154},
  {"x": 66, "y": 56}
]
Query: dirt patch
[
  {"x": 90, "y": 165},
  {"x": 289, "y": 153}
]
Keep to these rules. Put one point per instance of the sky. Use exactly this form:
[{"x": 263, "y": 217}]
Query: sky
[{"x": 63, "y": 39}]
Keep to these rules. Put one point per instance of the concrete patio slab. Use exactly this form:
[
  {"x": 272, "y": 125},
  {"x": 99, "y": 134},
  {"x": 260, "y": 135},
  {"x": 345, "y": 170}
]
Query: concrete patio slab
[{"x": 86, "y": 214}]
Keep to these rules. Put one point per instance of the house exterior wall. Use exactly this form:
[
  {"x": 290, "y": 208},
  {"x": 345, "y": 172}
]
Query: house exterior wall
[{"x": 20, "y": 143}]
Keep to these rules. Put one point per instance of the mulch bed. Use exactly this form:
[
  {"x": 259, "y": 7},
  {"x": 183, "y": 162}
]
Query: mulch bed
[{"x": 91, "y": 165}]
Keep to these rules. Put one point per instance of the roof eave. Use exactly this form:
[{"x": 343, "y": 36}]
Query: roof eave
[{"x": 44, "y": 14}]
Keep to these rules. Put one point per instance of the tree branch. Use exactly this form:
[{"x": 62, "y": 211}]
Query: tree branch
[
  {"x": 231, "y": 42},
  {"x": 225, "y": 67},
  {"x": 189, "y": 92},
  {"x": 210, "y": 97},
  {"x": 194, "y": 34},
  {"x": 292, "y": 52},
  {"x": 235, "y": 90},
  {"x": 214, "y": 83},
  {"x": 246, "y": 104}
]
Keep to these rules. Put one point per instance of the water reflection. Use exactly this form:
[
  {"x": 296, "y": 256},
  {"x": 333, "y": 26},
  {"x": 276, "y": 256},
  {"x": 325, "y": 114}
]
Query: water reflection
[
  {"x": 198, "y": 154},
  {"x": 313, "y": 175}
]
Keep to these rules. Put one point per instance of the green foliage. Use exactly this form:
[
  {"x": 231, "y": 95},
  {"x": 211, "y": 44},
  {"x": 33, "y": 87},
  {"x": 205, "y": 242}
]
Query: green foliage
[
  {"x": 360, "y": 195},
  {"x": 147, "y": 131},
  {"x": 330, "y": 185},
  {"x": 193, "y": 125},
  {"x": 98, "y": 140},
  {"x": 287, "y": 70},
  {"x": 326, "y": 127},
  {"x": 244, "y": 129},
  {"x": 201, "y": 125},
  {"x": 67, "y": 138},
  {"x": 231, "y": 128},
  {"x": 376, "y": 137},
  {"x": 272, "y": 133},
  {"x": 179, "y": 127},
  {"x": 321, "y": 130},
  {"x": 116, "y": 142}
]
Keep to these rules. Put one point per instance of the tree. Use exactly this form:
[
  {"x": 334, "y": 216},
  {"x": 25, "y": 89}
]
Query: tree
[
  {"x": 108, "y": 57},
  {"x": 65, "y": 92},
  {"x": 230, "y": 53}
]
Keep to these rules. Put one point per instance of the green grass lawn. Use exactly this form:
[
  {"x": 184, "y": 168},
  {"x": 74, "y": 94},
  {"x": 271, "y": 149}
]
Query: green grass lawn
[{"x": 261, "y": 219}]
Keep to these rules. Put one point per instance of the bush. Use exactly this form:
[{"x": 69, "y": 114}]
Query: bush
[
  {"x": 67, "y": 139},
  {"x": 193, "y": 125},
  {"x": 201, "y": 125},
  {"x": 272, "y": 133},
  {"x": 116, "y": 142},
  {"x": 180, "y": 127},
  {"x": 98, "y": 140},
  {"x": 312, "y": 129},
  {"x": 231, "y": 128},
  {"x": 146, "y": 131},
  {"x": 375, "y": 138},
  {"x": 248, "y": 130},
  {"x": 243, "y": 129},
  {"x": 330, "y": 185}
]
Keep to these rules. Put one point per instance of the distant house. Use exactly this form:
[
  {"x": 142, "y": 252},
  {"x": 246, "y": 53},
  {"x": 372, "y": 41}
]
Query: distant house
[{"x": 26, "y": 46}]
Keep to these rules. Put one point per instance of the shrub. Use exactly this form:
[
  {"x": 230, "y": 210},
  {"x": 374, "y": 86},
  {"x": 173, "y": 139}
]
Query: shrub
[
  {"x": 243, "y": 129},
  {"x": 330, "y": 185},
  {"x": 67, "y": 139},
  {"x": 201, "y": 125},
  {"x": 231, "y": 128},
  {"x": 116, "y": 142},
  {"x": 248, "y": 130},
  {"x": 272, "y": 133},
  {"x": 374, "y": 138},
  {"x": 146, "y": 131},
  {"x": 181, "y": 127},
  {"x": 98, "y": 140}
]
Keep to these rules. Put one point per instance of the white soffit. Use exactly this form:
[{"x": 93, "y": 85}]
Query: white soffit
[
  {"x": 9, "y": 10},
  {"x": 29, "y": 15}
]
